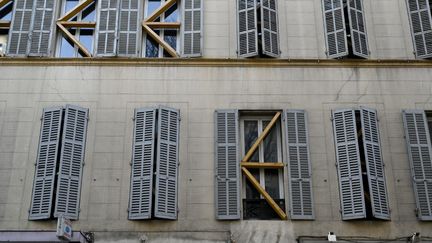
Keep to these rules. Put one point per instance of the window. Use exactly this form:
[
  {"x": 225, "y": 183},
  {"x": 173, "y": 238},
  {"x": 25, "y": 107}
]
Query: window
[
  {"x": 360, "y": 166},
  {"x": 418, "y": 128},
  {"x": 257, "y": 28},
  {"x": 59, "y": 165},
  {"x": 420, "y": 18},
  {"x": 154, "y": 173},
  {"x": 5, "y": 18},
  {"x": 257, "y": 137},
  {"x": 66, "y": 47},
  {"x": 345, "y": 29}
]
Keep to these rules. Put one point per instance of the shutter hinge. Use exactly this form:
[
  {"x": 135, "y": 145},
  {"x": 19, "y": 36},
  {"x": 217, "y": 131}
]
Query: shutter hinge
[
  {"x": 41, "y": 118},
  {"x": 79, "y": 210},
  {"x": 179, "y": 118},
  {"x": 133, "y": 118},
  {"x": 130, "y": 163},
  {"x": 35, "y": 164},
  {"x": 83, "y": 163},
  {"x": 336, "y": 165},
  {"x": 178, "y": 164},
  {"x": 127, "y": 210}
]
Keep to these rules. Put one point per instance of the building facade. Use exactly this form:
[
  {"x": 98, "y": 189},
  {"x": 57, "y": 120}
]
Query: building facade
[{"x": 216, "y": 120}]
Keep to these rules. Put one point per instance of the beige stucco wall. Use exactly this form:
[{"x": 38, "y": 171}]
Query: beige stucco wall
[{"x": 111, "y": 93}]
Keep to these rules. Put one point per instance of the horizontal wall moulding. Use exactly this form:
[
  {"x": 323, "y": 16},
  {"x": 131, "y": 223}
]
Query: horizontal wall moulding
[{"x": 215, "y": 62}]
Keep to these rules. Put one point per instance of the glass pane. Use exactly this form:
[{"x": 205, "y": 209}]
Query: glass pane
[
  {"x": 152, "y": 5},
  {"x": 89, "y": 14},
  {"x": 272, "y": 182},
  {"x": 270, "y": 144},
  {"x": 251, "y": 192},
  {"x": 171, "y": 15},
  {"x": 170, "y": 37},
  {"x": 250, "y": 135},
  {"x": 152, "y": 47},
  {"x": 86, "y": 38},
  {"x": 67, "y": 47},
  {"x": 6, "y": 12}
]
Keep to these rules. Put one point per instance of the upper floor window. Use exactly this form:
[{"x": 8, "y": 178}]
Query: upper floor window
[
  {"x": 421, "y": 27},
  {"x": 257, "y": 28},
  {"x": 345, "y": 28},
  {"x": 5, "y": 18}
]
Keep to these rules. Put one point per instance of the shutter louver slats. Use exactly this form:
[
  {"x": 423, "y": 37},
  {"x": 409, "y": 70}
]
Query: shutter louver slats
[
  {"x": 299, "y": 165},
  {"x": 374, "y": 164},
  {"x": 107, "y": 28},
  {"x": 358, "y": 28},
  {"x": 42, "y": 28},
  {"x": 71, "y": 162},
  {"x": 334, "y": 22},
  {"x": 269, "y": 27},
  {"x": 227, "y": 165},
  {"x": 167, "y": 163},
  {"x": 140, "y": 201},
  {"x": 192, "y": 28},
  {"x": 247, "y": 28},
  {"x": 45, "y": 170},
  {"x": 348, "y": 163},
  {"x": 19, "y": 33},
  {"x": 129, "y": 27},
  {"x": 421, "y": 27},
  {"x": 419, "y": 150}
]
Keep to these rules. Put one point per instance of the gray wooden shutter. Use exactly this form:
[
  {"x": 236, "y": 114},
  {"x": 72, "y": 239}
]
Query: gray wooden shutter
[
  {"x": 129, "y": 26},
  {"x": 227, "y": 182},
  {"x": 299, "y": 165},
  {"x": 269, "y": 28},
  {"x": 71, "y": 162},
  {"x": 247, "y": 42},
  {"x": 140, "y": 196},
  {"x": 192, "y": 28},
  {"x": 358, "y": 28},
  {"x": 421, "y": 27},
  {"x": 334, "y": 26},
  {"x": 19, "y": 33},
  {"x": 167, "y": 163},
  {"x": 107, "y": 28},
  {"x": 419, "y": 150},
  {"x": 46, "y": 163},
  {"x": 42, "y": 28},
  {"x": 374, "y": 164},
  {"x": 348, "y": 165}
]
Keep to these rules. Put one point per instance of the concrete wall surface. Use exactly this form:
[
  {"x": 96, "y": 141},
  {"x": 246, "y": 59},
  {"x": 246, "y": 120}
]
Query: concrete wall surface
[{"x": 113, "y": 92}]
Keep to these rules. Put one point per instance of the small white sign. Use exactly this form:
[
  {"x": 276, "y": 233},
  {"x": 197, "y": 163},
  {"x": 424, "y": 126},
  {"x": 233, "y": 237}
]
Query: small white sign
[{"x": 64, "y": 228}]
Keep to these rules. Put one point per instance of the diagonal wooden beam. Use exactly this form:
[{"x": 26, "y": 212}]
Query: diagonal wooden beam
[
  {"x": 4, "y": 2},
  {"x": 158, "y": 39},
  {"x": 263, "y": 165},
  {"x": 4, "y": 24},
  {"x": 163, "y": 25},
  {"x": 74, "y": 40},
  {"x": 263, "y": 192},
  {"x": 261, "y": 138},
  {"x": 77, "y": 24},
  {"x": 78, "y": 8},
  {"x": 160, "y": 10}
]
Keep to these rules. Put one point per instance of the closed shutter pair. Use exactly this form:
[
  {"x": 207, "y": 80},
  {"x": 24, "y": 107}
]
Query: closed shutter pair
[
  {"x": 31, "y": 28},
  {"x": 421, "y": 27},
  {"x": 247, "y": 28},
  {"x": 336, "y": 32},
  {"x": 155, "y": 143},
  {"x": 119, "y": 28},
  {"x": 227, "y": 183},
  {"x": 60, "y": 162},
  {"x": 349, "y": 166}
]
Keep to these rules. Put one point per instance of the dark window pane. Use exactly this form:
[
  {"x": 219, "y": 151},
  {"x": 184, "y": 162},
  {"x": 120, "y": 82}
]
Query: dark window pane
[
  {"x": 260, "y": 209},
  {"x": 272, "y": 182},
  {"x": 67, "y": 47},
  {"x": 170, "y": 37},
  {"x": 6, "y": 12},
  {"x": 251, "y": 192},
  {"x": 152, "y": 47},
  {"x": 89, "y": 14},
  {"x": 270, "y": 144},
  {"x": 171, "y": 15},
  {"x": 86, "y": 38},
  {"x": 250, "y": 135}
]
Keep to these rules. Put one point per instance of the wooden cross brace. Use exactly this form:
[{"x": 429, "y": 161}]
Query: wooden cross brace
[
  {"x": 4, "y": 24},
  {"x": 246, "y": 164},
  {"x": 149, "y": 24}
]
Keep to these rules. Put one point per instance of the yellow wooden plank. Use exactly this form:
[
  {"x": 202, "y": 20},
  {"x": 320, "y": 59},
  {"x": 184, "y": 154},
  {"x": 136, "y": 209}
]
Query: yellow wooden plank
[
  {"x": 4, "y": 2},
  {"x": 160, "y": 10},
  {"x": 163, "y": 25},
  {"x": 78, "y": 8},
  {"x": 5, "y": 24},
  {"x": 263, "y": 192},
  {"x": 70, "y": 24},
  {"x": 74, "y": 40},
  {"x": 159, "y": 40},
  {"x": 265, "y": 165},
  {"x": 261, "y": 138}
]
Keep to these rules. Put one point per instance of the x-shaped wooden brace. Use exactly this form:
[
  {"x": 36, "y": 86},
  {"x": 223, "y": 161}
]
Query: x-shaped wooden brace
[
  {"x": 246, "y": 164},
  {"x": 149, "y": 24},
  {"x": 65, "y": 22},
  {"x": 4, "y": 24}
]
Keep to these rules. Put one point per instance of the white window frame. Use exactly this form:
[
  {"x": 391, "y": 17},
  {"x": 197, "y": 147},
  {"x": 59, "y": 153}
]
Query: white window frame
[
  {"x": 77, "y": 33},
  {"x": 162, "y": 32},
  {"x": 261, "y": 120}
]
